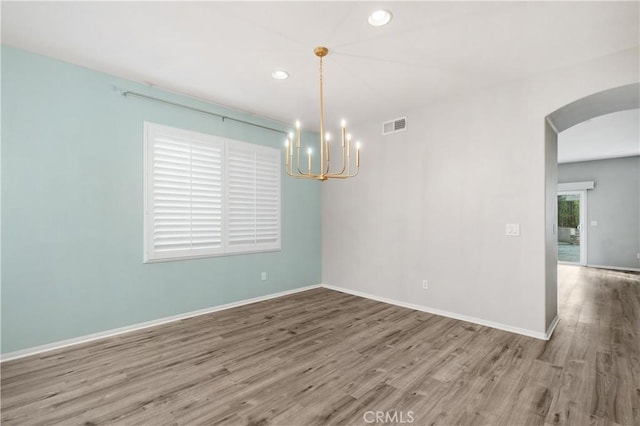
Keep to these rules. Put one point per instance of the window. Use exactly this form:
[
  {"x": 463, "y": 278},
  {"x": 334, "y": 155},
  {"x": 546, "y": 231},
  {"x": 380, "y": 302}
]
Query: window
[{"x": 208, "y": 196}]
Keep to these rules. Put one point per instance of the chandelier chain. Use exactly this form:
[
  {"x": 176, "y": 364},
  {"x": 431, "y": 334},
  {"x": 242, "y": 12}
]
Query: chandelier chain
[{"x": 322, "y": 141}]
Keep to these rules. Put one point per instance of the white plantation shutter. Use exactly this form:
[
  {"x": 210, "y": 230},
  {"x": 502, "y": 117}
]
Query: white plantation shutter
[
  {"x": 268, "y": 197},
  {"x": 205, "y": 196},
  {"x": 253, "y": 197},
  {"x": 184, "y": 193}
]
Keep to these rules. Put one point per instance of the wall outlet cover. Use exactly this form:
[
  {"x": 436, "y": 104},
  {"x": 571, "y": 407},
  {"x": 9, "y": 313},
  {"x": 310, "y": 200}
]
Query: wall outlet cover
[{"x": 512, "y": 229}]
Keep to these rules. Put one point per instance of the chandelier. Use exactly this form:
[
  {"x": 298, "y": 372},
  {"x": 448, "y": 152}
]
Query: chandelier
[{"x": 323, "y": 171}]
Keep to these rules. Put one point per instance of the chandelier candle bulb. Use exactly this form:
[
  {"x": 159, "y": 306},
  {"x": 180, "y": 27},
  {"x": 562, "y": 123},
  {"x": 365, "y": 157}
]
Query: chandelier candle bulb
[
  {"x": 357, "y": 154},
  {"x": 309, "y": 152},
  {"x": 291, "y": 149},
  {"x": 348, "y": 156}
]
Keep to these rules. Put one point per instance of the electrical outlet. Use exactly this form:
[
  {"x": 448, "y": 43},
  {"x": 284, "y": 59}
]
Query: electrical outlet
[
  {"x": 264, "y": 276},
  {"x": 638, "y": 255},
  {"x": 425, "y": 284}
]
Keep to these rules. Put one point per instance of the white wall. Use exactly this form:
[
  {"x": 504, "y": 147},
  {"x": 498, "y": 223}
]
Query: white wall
[{"x": 432, "y": 202}]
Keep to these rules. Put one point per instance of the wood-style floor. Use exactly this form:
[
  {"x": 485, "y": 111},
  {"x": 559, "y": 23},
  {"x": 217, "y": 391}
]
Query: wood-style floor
[{"x": 324, "y": 357}]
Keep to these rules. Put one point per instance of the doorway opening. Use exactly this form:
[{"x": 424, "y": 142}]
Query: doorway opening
[
  {"x": 572, "y": 232},
  {"x": 608, "y": 101}
]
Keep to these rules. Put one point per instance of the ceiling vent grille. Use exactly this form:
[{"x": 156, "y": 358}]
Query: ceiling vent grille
[{"x": 393, "y": 126}]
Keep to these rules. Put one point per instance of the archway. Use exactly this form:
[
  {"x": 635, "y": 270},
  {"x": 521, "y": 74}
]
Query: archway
[{"x": 608, "y": 101}]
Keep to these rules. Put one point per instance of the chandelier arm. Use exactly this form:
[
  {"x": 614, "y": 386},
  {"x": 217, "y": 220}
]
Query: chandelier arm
[
  {"x": 290, "y": 171},
  {"x": 312, "y": 176},
  {"x": 344, "y": 159},
  {"x": 298, "y": 165},
  {"x": 288, "y": 159},
  {"x": 341, "y": 176},
  {"x": 301, "y": 173},
  {"x": 342, "y": 171},
  {"x": 290, "y": 154},
  {"x": 344, "y": 164},
  {"x": 328, "y": 159},
  {"x": 297, "y": 153}
]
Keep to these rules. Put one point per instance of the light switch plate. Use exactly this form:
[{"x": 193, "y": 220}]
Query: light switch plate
[
  {"x": 512, "y": 229},
  {"x": 594, "y": 223}
]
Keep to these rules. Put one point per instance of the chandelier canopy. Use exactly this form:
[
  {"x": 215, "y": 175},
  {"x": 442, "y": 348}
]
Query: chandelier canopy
[{"x": 322, "y": 171}]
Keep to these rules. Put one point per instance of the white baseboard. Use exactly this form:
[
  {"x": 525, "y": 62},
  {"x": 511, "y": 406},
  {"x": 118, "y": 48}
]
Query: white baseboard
[
  {"x": 551, "y": 328},
  {"x": 114, "y": 332},
  {"x": 615, "y": 268},
  {"x": 479, "y": 321},
  {"x": 134, "y": 327}
]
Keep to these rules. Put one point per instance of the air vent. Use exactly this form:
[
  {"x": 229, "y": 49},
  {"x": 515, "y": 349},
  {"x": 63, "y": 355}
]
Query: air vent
[{"x": 393, "y": 126}]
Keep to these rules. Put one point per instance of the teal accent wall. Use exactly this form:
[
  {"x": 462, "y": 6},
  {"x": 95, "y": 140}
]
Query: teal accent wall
[{"x": 72, "y": 209}]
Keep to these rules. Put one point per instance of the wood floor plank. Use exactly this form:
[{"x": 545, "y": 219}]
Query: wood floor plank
[{"x": 323, "y": 357}]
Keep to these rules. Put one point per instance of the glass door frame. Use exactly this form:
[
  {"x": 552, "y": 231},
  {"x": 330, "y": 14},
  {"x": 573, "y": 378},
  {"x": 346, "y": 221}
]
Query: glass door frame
[{"x": 582, "y": 226}]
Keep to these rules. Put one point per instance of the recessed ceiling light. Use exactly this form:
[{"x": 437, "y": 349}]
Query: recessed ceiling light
[
  {"x": 280, "y": 74},
  {"x": 379, "y": 18}
]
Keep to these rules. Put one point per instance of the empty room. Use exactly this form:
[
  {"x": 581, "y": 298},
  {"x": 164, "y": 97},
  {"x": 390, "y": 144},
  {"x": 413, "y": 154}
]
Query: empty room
[{"x": 320, "y": 213}]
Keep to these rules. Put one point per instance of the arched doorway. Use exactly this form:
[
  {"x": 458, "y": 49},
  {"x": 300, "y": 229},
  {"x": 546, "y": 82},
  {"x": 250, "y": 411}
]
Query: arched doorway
[{"x": 608, "y": 101}]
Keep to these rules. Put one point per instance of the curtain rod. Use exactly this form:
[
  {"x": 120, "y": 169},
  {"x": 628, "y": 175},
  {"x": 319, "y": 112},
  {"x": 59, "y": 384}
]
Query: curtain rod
[{"x": 223, "y": 117}]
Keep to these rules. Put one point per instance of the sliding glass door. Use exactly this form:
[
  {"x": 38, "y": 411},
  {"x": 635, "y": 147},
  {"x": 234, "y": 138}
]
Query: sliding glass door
[{"x": 572, "y": 235}]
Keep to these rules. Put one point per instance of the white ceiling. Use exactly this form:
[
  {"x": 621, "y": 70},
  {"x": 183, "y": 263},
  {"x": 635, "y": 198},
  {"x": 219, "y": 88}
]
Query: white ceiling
[
  {"x": 607, "y": 136},
  {"x": 225, "y": 51}
]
